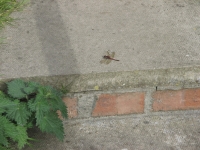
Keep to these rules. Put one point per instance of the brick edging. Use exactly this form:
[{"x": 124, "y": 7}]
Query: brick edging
[{"x": 106, "y": 104}]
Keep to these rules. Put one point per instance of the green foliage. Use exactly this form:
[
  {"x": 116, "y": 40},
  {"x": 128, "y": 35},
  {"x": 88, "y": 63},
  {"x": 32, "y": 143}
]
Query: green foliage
[
  {"x": 28, "y": 104},
  {"x": 20, "y": 89},
  {"x": 7, "y": 7}
]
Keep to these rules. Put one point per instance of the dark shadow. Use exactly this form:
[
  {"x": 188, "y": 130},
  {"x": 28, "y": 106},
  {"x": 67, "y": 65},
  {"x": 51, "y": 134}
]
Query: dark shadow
[
  {"x": 42, "y": 141},
  {"x": 52, "y": 32}
]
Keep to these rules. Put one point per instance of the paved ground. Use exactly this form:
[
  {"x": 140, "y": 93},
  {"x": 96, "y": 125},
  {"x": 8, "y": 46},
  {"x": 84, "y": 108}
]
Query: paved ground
[
  {"x": 69, "y": 37},
  {"x": 163, "y": 132},
  {"x": 59, "y": 37}
]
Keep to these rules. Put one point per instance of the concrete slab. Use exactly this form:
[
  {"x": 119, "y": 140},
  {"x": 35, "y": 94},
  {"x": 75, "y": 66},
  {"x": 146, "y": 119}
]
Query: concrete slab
[
  {"x": 70, "y": 37},
  {"x": 167, "y": 132},
  {"x": 179, "y": 132}
]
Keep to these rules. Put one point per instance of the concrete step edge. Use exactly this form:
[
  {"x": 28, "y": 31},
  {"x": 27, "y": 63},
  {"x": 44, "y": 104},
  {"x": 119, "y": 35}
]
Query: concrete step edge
[{"x": 112, "y": 81}]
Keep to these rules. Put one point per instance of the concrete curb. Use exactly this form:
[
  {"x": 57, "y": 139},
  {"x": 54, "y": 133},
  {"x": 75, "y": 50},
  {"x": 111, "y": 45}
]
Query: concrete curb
[
  {"x": 84, "y": 101},
  {"x": 116, "y": 81},
  {"x": 123, "y": 93}
]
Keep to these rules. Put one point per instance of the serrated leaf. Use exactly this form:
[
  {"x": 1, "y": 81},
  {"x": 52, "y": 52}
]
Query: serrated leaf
[
  {"x": 31, "y": 87},
  {"x": 62, "y": 107},
  {"x": 3, "y": 139},
  {"x": 20, "y": 113},
  {"x": 33, "y": 84},
  {"x": 9, "y": 128},
  {"x": 39, "y": 115},
  {"x": 49, "y": 92},
  {"x": 31, "y": 104},
  {"x": 56, "y": 93},
  {"x": 54, "y": 98},
  {"x": 42, "y": 107},
  {"x": 16, "y": 133},
  {"x": 43, "y": 91},
  {"x": 58, "y": 104},
  {"x": 22, "y": 138},
  {"x": 63, "y": 110},
  {"x": 42, "y": 103},
  {"x": 15, "y": 89},
  {"x": 6, "y": 103},
  {"x": 39, "y": 105},
  {"x": 29, "y": 90},
  {"x": 52, "y": 124}
]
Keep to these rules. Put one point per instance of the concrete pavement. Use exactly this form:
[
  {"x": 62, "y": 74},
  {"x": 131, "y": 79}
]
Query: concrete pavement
[
  {"x": 157, "y": 43},
  {"x": 166, "y": 132},
  {"x": 70, "y": 37}
]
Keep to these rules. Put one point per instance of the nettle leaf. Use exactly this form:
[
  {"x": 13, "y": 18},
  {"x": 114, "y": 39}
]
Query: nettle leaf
[
  {"x": 39, "y": 115},
  {"x": 29, "y": 90},
  {"x": 26, "y": 103},
  {"x": 56, "y": 93},
  {"x": 52, "y": 124},
  {"x": 15, "y": 89},
  {"x": 19, "y": 113},
  {"x": 42, "y": 103},
  {"x": 45, "y": 91},
  {"x": 39, "y": 103},
  {"x": 49, "y": 92},
  {"x": 63, "y": 109},
  {"x": 20, "y": 89},
  {"x": 31, "y": 87},
  {"x": 31, "y": 121},
  {"x": 54, "y": 98},
  {"x": 6, "y": 103},
  {"x": 32, "y": 105},
  {"x": 9, "y": 128},
  {"x": 58, "y": 104},
  {"x": 42, "y": 90},
  {"x": 22, "y": 138},
  {"x": 3, "y": 139}
]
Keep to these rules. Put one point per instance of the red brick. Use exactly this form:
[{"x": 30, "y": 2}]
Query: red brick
[
  {"x": 129, "y": 103},
  {"x": 71, "y": 104},
  {"x": 105, "y": 106},
  {"x": 176, "y": 100},
  {"x": 192, "y": 98},
  {"x": 119, "y": 104}
]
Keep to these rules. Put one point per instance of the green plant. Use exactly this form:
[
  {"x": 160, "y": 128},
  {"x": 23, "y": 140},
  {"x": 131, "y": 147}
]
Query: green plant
[
  {"x": 28, "y": 104},
  {"x": 7, "y": 7}
]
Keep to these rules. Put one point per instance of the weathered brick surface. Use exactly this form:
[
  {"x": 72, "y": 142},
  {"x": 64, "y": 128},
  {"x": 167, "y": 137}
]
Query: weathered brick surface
[
  {"x": 119, "y": 104},
  {"x": 130, "y": 103},
  {"x": 192, "y": 98},
  {"x": 176, "y": 100},
  {"x": 106, "y": 105},
  {"x": 72, "y": 106}
]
